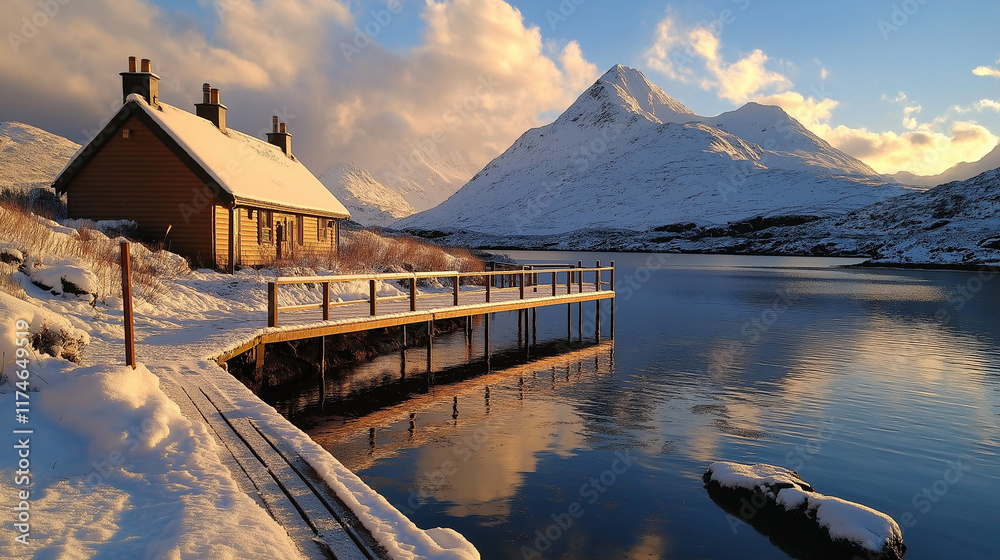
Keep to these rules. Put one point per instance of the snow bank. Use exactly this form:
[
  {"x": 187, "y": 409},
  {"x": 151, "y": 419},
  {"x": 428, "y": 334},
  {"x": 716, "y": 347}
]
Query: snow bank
[
  {"x": 777, "y": 501},
  {"x": 63, "y": 275},
  {"x": 121, "y": 473},
  {"x": 39, "y": 321}
]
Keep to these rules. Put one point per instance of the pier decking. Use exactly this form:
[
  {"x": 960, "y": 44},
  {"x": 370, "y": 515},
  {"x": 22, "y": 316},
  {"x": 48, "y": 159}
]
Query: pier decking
[{"x": 482, "y": 293}]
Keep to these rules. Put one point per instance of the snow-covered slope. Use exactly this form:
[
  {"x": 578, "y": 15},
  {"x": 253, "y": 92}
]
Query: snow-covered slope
[
  {"x": 371, "y": 203},
  {"x": 958, "y": 172},
  {"x": 31, "y": 157},
  {"x": 424, "y": 176},
  {"x": 627, "y": 156}
]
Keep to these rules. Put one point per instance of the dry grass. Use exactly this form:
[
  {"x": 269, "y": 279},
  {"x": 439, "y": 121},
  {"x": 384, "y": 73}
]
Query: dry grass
[
  {"x": 370, "y": 251},
  {"x": 35, "y": 238}
]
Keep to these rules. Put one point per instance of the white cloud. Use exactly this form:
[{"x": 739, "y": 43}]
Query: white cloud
[
  {"x": 286, "y": 57},
  {"x": 986, "y": 71},
  {"x": 692, "y": 55}
]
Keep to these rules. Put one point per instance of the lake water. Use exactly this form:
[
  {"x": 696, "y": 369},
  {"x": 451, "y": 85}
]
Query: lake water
[{"x": 878, "y": 386}]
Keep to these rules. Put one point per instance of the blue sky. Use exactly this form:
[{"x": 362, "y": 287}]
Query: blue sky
[{"x": 889, "y": 81}]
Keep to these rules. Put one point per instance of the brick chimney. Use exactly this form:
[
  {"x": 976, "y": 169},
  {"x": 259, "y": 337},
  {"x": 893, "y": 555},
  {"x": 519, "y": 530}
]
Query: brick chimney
[
  {"x": 210, "y": 108},
  {"x": 280, "y": 137},
  {"x": 144, "y": 82}
]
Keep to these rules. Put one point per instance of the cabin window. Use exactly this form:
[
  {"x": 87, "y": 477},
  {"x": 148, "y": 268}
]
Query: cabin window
[
  {"x": 300, "y": 226},
  {"x": 265, "y": 227},
  {"x": 322, "y": 229}
]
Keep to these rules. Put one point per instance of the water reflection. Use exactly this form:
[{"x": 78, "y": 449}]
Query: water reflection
[{"x": 867, "y": 382}]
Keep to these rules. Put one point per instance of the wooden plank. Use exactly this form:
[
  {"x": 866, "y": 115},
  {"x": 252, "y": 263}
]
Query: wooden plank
[
  {"x": 279, "y": 503},
  {"x": 320, "y": 519}
]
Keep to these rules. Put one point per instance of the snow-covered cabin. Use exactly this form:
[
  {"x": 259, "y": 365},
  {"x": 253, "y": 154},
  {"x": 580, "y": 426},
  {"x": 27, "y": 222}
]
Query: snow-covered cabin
[{"x": 211, "y": 193}]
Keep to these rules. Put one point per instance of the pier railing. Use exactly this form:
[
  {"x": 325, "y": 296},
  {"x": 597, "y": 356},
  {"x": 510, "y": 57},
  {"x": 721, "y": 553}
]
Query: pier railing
[{"x": 553, "y": 279}]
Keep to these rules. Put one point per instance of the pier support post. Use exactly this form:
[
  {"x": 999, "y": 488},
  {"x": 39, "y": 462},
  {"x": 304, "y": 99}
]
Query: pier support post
[
  {"x": 597, "y": 327},
  {"x": 614, "y": 302},
  {"x": 402, "y": 337},
  {"x": 430, "y": 345},
  {"x": 326, "y": 301},
  {"x": 520, "y": 327},
  {"x": 569, "y": 321},
  {"x": 534, "y": 325},
  {"x": 272, "y": 304},
  {"x": 486, "y": 336},
  {"x": 259, "y": 354},
  {"x": 579, "y": 319}
]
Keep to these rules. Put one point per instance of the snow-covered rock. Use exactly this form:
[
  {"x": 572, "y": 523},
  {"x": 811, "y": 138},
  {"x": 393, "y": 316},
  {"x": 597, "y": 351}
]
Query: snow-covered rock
[
  {"x": 779, "y": 503},
  {"x": 627, "y": 156},
  {"x": 63, "y": 275},
  {"x": 370, "y": 203},
  {"x": 31, "y": 157}
]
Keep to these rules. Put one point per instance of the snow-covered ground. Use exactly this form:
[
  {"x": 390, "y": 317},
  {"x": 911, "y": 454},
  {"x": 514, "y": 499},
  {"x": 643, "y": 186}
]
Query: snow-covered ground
[{"x": 112, "y": 466}]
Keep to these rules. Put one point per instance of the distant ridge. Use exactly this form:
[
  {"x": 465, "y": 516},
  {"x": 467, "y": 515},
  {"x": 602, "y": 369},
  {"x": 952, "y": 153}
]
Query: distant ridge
[{"x": 31, "y": 157}]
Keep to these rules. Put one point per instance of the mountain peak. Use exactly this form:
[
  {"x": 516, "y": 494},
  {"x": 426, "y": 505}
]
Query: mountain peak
[{"x": 624, "y": 92}]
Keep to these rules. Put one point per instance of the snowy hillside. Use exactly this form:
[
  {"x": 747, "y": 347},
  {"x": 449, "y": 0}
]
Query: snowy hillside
[
  {"x": 958, "y": 172},
  {"x": 627, "y": 156},
  {"x": 371, "y": 203},
  {"x": 31, "y": 157},
  {"x": 955, "y": 223},
  {"x": 424, "y": 176}
]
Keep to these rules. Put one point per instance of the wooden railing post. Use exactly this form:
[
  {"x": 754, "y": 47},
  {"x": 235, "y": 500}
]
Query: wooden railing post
[
  {"x": 579, "y": 275},
  {"x": 489, "y": 283},
  {"x": 521, "y": 282},
  {"x": 413, "y": 293},
  {"x": 326, "y": 301},
  {"x": 126, "y": 266},
  {"x": 597, "y": 277},
  {"x": 554, "y": 282},
  {"x": 272, "y": 304},
  {"x": 612, "y": 275},
  {"x": 372, "y": 297},
  {"x": 569, "y": 281},
  {"x": 458, "y": 281}
]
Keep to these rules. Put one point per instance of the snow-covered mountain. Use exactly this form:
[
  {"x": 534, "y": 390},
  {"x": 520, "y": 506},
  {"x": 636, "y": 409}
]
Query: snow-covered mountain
[
  {"x": 958, "y": 172},
  {"x": 424, "y": 176},
  {"x": 626, "y": 155},
  {"x": 370, "y": 202},
  {"x": 31, "y": 157}
]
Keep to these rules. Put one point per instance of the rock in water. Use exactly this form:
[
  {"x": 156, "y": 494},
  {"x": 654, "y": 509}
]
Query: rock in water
[{"x": 804, "y": 523}]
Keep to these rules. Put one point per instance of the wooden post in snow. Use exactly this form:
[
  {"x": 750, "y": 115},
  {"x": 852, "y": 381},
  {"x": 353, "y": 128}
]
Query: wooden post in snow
[{"x": 126, "y": 266}]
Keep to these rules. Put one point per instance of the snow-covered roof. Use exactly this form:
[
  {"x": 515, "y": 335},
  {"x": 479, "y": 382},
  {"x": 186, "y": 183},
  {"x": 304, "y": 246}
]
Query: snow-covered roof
[{"x": 254, "y": 171}]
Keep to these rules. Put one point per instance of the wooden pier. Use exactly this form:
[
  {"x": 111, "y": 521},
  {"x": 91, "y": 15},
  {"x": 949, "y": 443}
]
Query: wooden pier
[
  {"x": 453, "y": 295},
  {"x": 273, "y": 473}
]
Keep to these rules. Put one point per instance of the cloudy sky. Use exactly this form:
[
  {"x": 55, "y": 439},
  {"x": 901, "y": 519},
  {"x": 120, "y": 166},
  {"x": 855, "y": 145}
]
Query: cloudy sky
[{"x": 902, "y": 84}]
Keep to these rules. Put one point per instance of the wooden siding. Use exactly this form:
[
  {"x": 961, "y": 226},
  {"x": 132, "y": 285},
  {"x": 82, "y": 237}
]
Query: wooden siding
[
  {"x": 139, "y": 178},
  {"x": 253, "y": 253}
]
